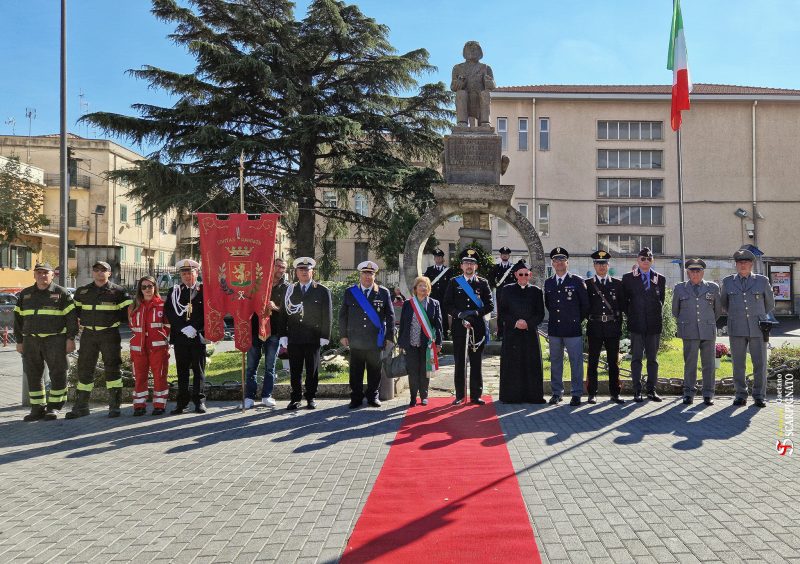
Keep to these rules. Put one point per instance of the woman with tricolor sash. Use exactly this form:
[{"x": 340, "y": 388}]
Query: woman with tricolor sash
[
  {"x": 420, "y": 338},
  {"x": 522, "y": 310}
]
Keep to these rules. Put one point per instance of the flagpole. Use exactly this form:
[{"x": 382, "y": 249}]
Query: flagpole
[
  {"x": 241, "y": 210},
  {"x": 680, "y": 209}
]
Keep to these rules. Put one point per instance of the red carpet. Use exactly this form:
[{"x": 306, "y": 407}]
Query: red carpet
[{"x": 446, "y": 493}]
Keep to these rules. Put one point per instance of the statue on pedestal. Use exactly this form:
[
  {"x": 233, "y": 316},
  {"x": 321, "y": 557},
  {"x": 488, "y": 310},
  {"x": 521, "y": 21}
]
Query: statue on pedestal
[{"x": 472, "y": 82}]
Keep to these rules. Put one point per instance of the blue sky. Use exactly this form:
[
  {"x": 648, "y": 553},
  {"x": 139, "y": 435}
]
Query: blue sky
[{"x": 754, "y": 43}]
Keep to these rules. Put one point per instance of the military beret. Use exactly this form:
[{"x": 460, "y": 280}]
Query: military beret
[
  {"x": 601, "y": 256},
  {"x": 438, "y": 253},
  {"x": 519, "y": 265},
  {"x": 695, "y": 264},
  {"x": 304, "y": 262},
  {"x": 43, "y": 266},
  {"x": 469, "y": 255},
  {"x": 559, "y": 253},
  {"x": 102, "y": 263},
  {"x": 188, "y": 264},
  {"x": 646, "y": 252},
  {"x": 367, "y": 266},
  {"x": 505, "y": 251},
  {"x": 744, "y": 254}
]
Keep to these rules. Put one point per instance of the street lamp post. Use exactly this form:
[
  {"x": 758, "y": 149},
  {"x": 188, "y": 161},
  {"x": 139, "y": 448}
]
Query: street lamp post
[{"x": 98, "y": 211}]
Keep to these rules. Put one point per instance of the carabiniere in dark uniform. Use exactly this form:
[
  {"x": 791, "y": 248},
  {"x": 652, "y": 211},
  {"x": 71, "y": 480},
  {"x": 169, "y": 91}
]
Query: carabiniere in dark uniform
[
  {"x": 441, "y": 274},
  {"x": 604, "y": 328}
]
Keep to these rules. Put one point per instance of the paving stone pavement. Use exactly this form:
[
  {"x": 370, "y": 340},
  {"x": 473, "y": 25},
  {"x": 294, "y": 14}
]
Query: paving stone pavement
[{"x": 635, "y": 483}]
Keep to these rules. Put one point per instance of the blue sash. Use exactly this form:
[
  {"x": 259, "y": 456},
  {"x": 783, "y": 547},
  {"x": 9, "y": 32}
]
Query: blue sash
[
  {"x": 370, "y": 311},
  {"x": 469, "y": 291}
]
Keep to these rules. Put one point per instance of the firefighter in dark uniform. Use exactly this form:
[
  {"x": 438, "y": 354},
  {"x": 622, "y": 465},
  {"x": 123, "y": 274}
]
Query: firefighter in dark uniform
[
  {"x": 184, "y": 310},
  {"x": 604, "y": 327},
  {"x": 102, "y": 306},
  {"x": 568, "y": 304},
  {"x": 45, "y": 325},
  {"x": 365, "y": 339},
  {"x": 440, "y": 275},
  {"x": 308, "y": 329},
  {"x": 468, "y": 325},
  {"x": 499, "y": 276}
]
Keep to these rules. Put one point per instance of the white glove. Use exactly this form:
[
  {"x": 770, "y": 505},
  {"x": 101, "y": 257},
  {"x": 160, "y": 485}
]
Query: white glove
[
  {"x": 283, "y": 342},
  {"x": 189, "y": 331},
  {"x": 323, "y": 342}
]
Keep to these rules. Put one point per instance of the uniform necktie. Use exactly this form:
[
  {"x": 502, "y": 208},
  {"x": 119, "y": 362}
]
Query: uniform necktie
[
  {"x": 646, "y": 281},
  {"x": 603, "y": 281},
  {"x": 366, "y": 293},
  {"x": 560, "y": 282},
  {"x": 696, "y": 289},
  {"x": 304, "y": 287}
]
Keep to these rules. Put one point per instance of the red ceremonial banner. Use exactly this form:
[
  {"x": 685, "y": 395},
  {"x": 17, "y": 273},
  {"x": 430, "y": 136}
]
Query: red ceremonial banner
[{"x": 237, "y": 252}]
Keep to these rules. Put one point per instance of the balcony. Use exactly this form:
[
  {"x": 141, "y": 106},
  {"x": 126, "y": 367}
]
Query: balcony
[
  {"x": 75, "y": 180},
  {"x": 54, "y": 221}
]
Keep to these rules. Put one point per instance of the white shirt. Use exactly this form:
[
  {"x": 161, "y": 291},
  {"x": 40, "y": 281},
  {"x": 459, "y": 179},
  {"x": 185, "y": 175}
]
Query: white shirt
[
  {"x": 560, "y": 279},
  {"x": 605, "y": 278}
]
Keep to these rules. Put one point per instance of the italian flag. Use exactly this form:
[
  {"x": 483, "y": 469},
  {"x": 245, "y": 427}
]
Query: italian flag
[{"x": 678, "y": 63}]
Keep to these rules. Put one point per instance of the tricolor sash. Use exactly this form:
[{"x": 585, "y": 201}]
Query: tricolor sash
[
  {"x": 431, "y": 355},
  {"x": 469, "y": 291},
  {"x": 371, "y": 313}
]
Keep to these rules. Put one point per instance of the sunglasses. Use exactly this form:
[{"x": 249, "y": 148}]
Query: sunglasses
[
  {"x": 523, "y": 274},
  {"x": 99, "y": 270},
  {"x": 646, "y": 259},
  {"x": 147, "y": 286}
]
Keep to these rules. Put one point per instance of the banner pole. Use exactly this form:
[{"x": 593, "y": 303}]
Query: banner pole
[{"x": 244, "y": 393}]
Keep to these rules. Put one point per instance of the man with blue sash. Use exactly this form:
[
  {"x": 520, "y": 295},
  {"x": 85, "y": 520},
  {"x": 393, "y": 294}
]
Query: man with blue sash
[
  {"x": 468, "y": 299},
  {"x": 366, "y": 325}
]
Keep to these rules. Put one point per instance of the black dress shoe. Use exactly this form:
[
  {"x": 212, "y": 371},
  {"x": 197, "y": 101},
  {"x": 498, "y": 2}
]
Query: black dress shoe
[
  {"x": 575, "y": 401},
  {"x": 740, "y": 401},
  {"x": 591, "y": 400},
  {"x": 157, "y": 411},
  {"x": 374, "y": 403},
  {"x": 554, "y": 400},
  {"x": 412, "y": 403},
  {"x": 355, "y": 404},
  {"x": 708, "y": 401},
  {"x": 178, "y": 409},
  {"x": 200, "y": 407},
  {"x": 477, "y": 401},
  {"x": 638, "y": 398},
  {"x": 114, "y": 413},
  {"x": 758, "y": 403},
  {"x": 311, "y": 404},
  {"x": 654, "y": 397},
  {"x": 458, "y": 401},
  {"x": 617, "y": 399},
  {"x": 293, "y": 405},
  {"x": 688, "y": 400}
]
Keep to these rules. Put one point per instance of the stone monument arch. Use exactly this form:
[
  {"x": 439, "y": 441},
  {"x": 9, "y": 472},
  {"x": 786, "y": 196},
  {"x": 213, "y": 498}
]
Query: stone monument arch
[{"x": 472, "y": 164}]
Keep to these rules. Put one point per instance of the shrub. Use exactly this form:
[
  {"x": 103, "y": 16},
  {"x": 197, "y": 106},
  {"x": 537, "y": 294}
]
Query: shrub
[{"x": 785, "y": 355}]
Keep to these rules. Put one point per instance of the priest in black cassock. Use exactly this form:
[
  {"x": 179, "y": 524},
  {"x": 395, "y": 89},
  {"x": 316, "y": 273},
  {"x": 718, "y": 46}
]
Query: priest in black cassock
[{"x": 522, "y": 309}]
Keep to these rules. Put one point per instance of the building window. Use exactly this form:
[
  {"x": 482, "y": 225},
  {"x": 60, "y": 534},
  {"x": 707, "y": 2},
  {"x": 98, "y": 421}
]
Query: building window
[
  {"x": 523, "y": 134},
  {"x": 72, "y": 250},
  {"x": 523, "y": 210},
  {"x": 137, "y": 217},
  {"x": 502, "y": 131},
  {"x": 123, "y": 213},
  {"x": 329, "y": 199},
  {"x": 629, "y": 130},
  {"x": 137, "y": 255},
  {"x": 502, "y": 228},
  {"x": 16, "y": 256},
  {"x": 543, "y": 219},
  {"x": 630, "y": 215},
  {"x": 162, "y": 224},
  {"x": 72, "y": 213},
  {"x": 544, "y": 134},
  {"x": 361, "y": 253},
  {"x": 361, "y": 205},
  {"x": 162, "y": 258},
  {"x": 625, "y": 244},
  {"x": 123, "y": 255},
  {"x": 628, "y": 159},
  {"x": 630, "y": 187}
]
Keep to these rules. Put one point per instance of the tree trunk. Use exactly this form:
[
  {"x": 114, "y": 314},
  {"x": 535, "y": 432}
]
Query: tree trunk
[{"x": 305, "y": 230}]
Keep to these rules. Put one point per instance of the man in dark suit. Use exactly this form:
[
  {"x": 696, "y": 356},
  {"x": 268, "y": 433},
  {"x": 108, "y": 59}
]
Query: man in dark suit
[
  {"x": 366, "y": 324},
  {"x": 440, "y": 275},
  {"x": 604, "y": 328},
  {"x": 184, "y": 310},
  {"x": 468, "y": 320},
  {"x": 308, "y": 309},
  {"x": 568, "y": 304},
  {"x": 499, "y": 276},
  {"x": 644, "y": 297}
]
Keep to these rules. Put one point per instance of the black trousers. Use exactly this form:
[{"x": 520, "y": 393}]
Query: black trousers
[
  {"x": 36, "y": 352},
  {"x": 92, "y": 345},
  {"x": 475, "y": 373},
  {"x": 416, "y": 360},
  {"x": 308, "y": 356},
  {"x": 611, "y": 344},
  {"x": 641, "y": 345},
  {"x": 359, "y": 360},
  {"x": 190, "y": 356}
]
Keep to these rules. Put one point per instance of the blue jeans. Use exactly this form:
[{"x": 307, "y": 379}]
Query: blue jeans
[{"x": 269, "y": 349}]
